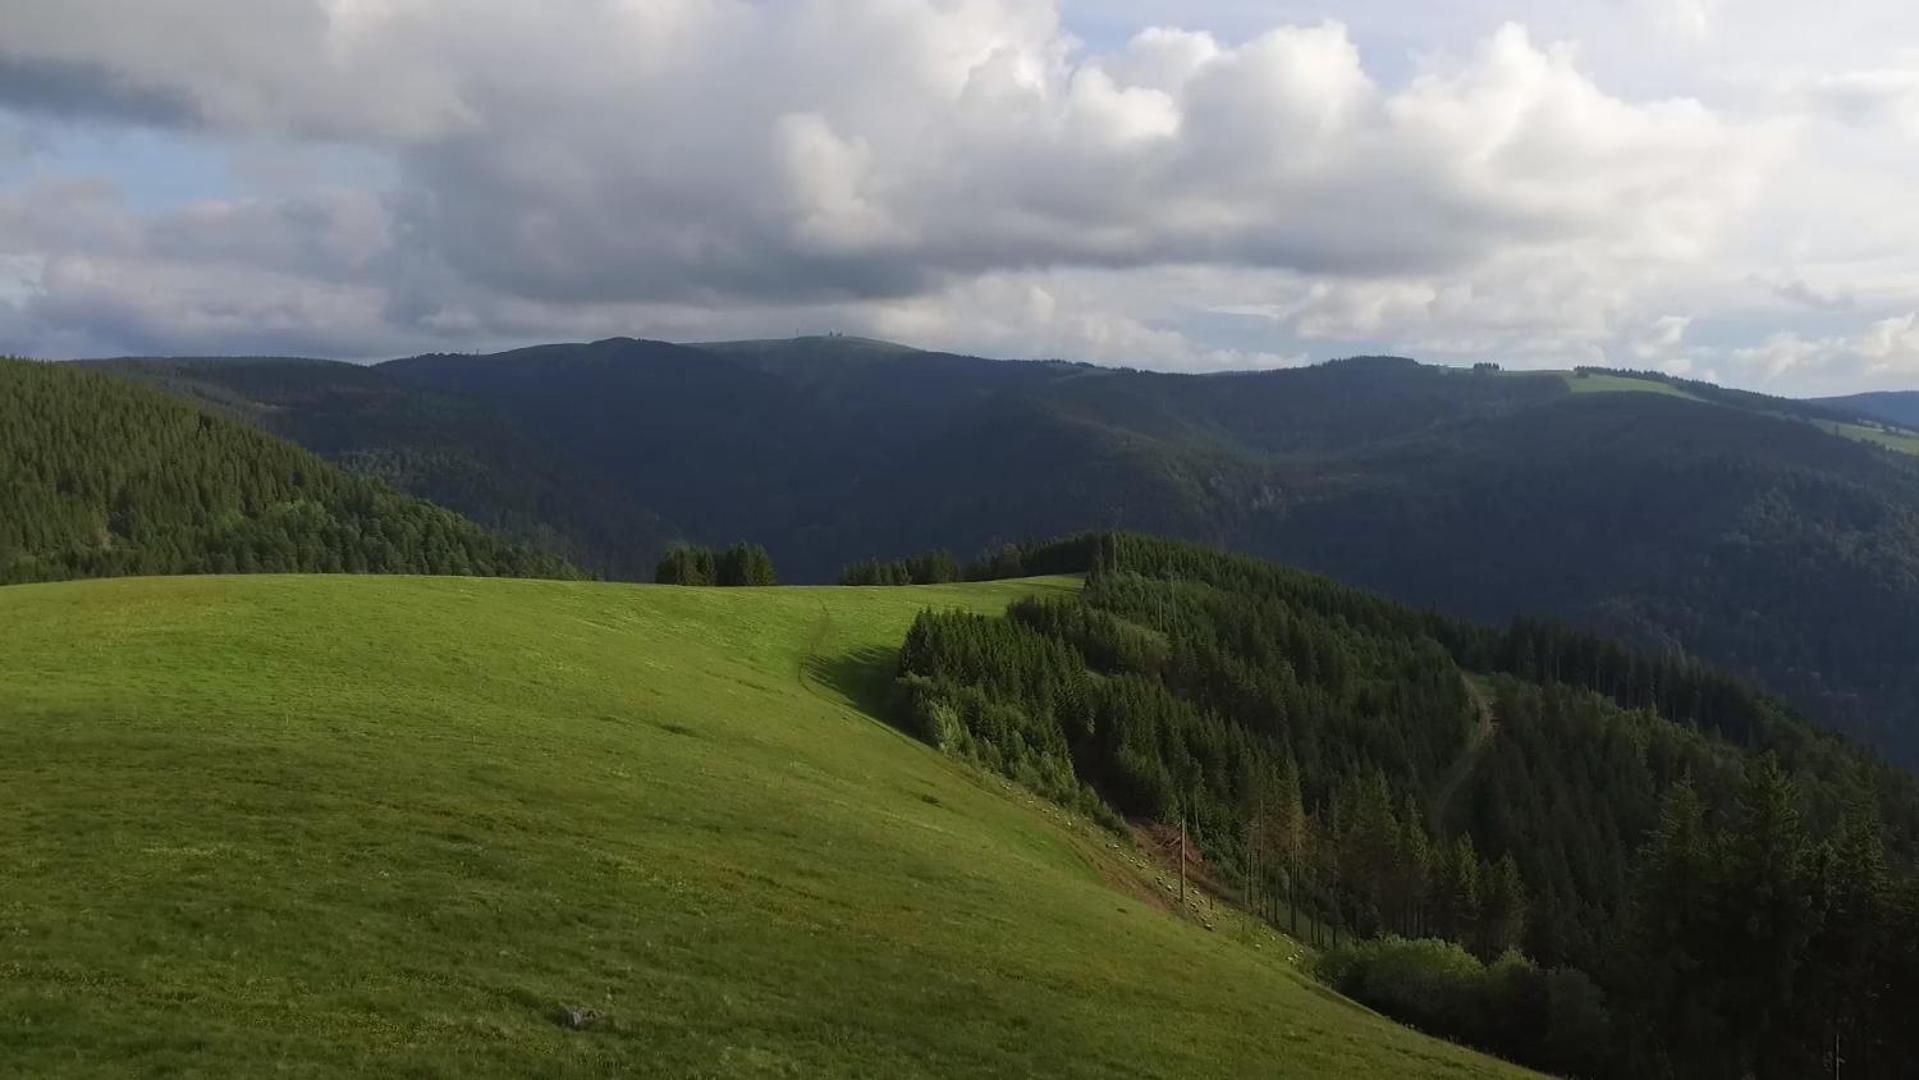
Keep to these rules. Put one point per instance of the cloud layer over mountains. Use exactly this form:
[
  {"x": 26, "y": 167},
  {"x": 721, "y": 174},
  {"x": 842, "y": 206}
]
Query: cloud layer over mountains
[{"x": 370, "y": 177}]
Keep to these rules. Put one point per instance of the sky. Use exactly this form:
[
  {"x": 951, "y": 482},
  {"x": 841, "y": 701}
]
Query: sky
[{"x": 1721, "y": 189}]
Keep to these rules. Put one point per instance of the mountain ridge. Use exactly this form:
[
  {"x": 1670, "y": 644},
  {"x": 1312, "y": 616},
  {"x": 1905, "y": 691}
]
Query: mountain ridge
[
  {"x": 1733, "y": 525},
  {"x": 1893, "y": 406}
]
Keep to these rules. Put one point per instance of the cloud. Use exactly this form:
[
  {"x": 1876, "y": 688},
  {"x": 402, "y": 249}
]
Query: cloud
[
  {"x": 1088, "y": 316},
  {"x": 1798, "y": 292},
  {"x": 1660, "y": 340},
  {"x": 831, "y": 149},
  {"x": 999, "y": 148},
  {"x": 331, "y": 234},
  {"x": 962, "y": 173},
  {"x": 135, "y": 304},
  {"x": 84, "y": 88},
  {"x": 1879, "y": 96},
  {"x": 1884, "y": 352},
  {"x": 1891, "y": 345},
  {"x": 337, "y": 68},
  {"x": 1687, "y": 19}
]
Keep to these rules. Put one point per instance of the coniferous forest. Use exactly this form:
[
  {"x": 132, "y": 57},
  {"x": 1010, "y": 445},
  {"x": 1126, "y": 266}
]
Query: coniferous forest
[
  {"x": 100, "y": 477},
  {"x": 1586, "y": 859}
]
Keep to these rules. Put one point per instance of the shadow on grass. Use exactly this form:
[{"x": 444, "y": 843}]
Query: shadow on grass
[{"x": 864, "y": 677}]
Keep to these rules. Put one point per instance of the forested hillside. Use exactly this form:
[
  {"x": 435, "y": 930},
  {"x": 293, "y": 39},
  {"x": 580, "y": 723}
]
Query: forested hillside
[
  {"x": 449, "y": 449},
  {"x": 1728, "y": 525},
  {"x": 100, "y": 478},
  {"x": 1705, "y": 885},
  {"x": 1894, "y": 407}
]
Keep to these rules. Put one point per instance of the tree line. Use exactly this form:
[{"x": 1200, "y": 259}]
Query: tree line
[
  {"x": 931, "y": 568},
  {"x": 100, "y": 478},
  {"x": 739, "y": 564},
  {"x": 1368, "y": 772},
  {"x": 938, "y": 567}
]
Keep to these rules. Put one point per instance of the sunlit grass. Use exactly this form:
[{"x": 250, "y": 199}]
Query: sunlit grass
[
  {"x": 391, "y": 826},
  {"x": 1594, "y": 383},
  {"x": 1905, "y": 442}
]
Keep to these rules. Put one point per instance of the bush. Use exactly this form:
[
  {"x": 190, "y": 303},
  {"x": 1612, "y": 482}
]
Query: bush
[
  {"x": 970, "y": 724},
  {"x": 926, "y": 713},
  {"x": 1553, "y": 1019},
  {"x": 1436, "y": 986}
]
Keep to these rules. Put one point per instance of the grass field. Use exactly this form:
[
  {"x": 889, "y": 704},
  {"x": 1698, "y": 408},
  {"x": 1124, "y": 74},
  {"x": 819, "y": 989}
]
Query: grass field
[
  {"x": 1622, "y": 384},
  {"x": 1903, "y": 441},
  {"x": 383, "y": 826}
]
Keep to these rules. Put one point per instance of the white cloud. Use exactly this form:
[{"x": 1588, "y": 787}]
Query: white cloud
[
  {"x": 1883, "y": 353},
  {"x": 1660, "y": 340},
  {"x": 1881, "y": 96},
  {"x": 1076, "y": 316},
  {"x": 967, "y": 172},
  {"x": 1687, "y": 19},
  {"x": 1892, "y": 345}
]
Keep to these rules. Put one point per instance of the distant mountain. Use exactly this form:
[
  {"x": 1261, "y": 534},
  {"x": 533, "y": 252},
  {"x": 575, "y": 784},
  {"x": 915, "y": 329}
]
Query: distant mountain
[
  {"x": 99, "y": 478},
  {"x": 1767, "y": 535},
  {"x": 1893, "y": 407}
]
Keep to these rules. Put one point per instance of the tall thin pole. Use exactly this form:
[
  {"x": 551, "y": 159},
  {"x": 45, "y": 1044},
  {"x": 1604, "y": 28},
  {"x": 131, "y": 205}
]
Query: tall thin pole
[{"x": 1182, "y": 858}]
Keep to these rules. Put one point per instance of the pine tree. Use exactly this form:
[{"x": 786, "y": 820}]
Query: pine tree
[
  {"x": 1372, "y": 844},
  {"x": 1415, "y": 859},
  {"x": 1843, "y": 971},
  {"x": 1672, "y": 919},
  {"x": 1457, "y": 907},
  {"x": 1770, "y": 918},
  {"x": 1292, "y": 836},
  {"x": 1502, "y": 908},
  {"x": 684, "y": 565}
]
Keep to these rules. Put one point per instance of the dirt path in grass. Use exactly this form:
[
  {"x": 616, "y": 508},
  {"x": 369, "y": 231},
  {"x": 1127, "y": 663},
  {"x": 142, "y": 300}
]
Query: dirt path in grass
[{"x": 1475, "y": 749}]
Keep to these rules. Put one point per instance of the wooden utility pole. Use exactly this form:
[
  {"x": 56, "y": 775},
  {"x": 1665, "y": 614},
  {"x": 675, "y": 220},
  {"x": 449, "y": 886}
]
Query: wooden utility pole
[
  {"x": 1182, "y": 858},
  {"x": 1251, "y": 898}
]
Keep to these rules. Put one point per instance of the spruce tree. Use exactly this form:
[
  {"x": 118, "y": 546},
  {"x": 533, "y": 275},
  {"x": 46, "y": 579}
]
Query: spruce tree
[
  {"x": 1502, "y": 908},
  {"x": 1769, "y": 917},
  {"x": 1673, "y": 919}
]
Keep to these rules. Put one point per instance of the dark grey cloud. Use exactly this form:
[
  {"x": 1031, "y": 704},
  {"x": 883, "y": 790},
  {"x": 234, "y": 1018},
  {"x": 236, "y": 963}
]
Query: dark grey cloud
[
  {"x": 1798, "y": 292},
  {"x": 89, "y": 89}
]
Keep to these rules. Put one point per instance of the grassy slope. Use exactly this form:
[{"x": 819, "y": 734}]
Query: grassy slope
[
  {"x": 1902, "y": 441},
  {"x": 1620, "y": 384},
  {"x": 1892, "y": 439},
  {"x": 332, "y": 824}
]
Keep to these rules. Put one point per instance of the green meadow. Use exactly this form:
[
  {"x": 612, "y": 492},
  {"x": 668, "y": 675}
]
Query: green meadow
[
  {"x": 1899, "y": 439},
  {"x": 1595, "y": 383},
  {"x": 303, "y": 826},
  {"x": 1890, "y": 438}
]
